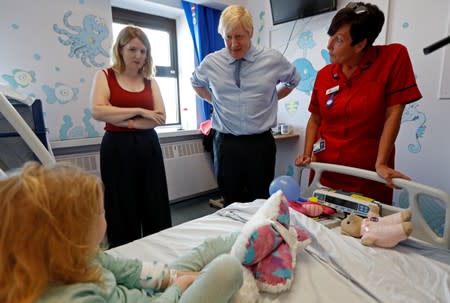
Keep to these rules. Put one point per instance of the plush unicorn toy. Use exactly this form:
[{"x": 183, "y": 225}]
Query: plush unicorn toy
[{"x": 267, "y": 248}]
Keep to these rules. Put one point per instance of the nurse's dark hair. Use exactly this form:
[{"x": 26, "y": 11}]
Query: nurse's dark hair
[{"x": 366, "y": 21}]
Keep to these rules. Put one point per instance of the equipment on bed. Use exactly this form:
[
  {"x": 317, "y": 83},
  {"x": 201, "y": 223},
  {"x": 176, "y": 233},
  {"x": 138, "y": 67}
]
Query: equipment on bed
[
  {"x": 345, "y": 202},
  {"x": 22, "y": 131}
]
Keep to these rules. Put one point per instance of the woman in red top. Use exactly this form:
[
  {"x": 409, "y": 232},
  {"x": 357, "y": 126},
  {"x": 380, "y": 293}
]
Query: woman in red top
[
  {"x": 358, "y": 101},
  {"x": 127, "y": 98}
]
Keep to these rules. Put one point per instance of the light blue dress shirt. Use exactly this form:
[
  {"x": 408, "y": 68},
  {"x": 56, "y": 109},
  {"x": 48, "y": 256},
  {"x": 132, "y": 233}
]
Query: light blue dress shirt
[{"x": 252, "y": 107}]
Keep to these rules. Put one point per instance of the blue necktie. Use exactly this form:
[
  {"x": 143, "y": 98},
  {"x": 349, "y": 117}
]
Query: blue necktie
[{"x": 237, "y": 71}]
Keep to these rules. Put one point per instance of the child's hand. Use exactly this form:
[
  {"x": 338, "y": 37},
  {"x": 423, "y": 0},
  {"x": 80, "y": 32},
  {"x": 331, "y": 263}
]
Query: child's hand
[{"x": 184, "y": 280}]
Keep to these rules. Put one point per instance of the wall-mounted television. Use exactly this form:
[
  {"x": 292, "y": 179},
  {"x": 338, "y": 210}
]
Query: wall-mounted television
[{"x": 289, "y": 10}]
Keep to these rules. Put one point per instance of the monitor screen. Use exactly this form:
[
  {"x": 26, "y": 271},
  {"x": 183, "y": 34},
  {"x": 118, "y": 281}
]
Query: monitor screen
[
  {"x": 341, "y": 202},
  {"x": 289, "y": 10}
]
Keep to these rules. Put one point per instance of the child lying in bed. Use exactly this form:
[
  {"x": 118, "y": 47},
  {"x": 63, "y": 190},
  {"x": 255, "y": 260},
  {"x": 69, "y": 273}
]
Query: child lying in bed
[{"x": 52, "y": 221}]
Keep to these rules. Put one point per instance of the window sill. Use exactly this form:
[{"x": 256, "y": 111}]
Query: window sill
[{"x": 169, "y": 132}]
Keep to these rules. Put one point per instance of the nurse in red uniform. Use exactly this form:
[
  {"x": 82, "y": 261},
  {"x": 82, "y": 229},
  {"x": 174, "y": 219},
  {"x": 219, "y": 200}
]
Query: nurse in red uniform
[{"x": 358, "y": 101}]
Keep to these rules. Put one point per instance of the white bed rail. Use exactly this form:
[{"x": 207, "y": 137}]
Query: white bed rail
[
  {"x": 421, "y": 230},
  {"x": 27, "y": 134}
]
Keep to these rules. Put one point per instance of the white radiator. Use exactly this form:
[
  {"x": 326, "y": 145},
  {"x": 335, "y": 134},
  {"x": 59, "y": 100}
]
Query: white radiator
[
  {"x": 189, "y": 168},
  {"x": 88, "y": 161}
]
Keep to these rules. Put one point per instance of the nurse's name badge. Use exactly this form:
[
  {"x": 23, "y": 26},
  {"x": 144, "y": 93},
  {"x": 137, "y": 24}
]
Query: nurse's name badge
[{"x": 332, "y": 90}]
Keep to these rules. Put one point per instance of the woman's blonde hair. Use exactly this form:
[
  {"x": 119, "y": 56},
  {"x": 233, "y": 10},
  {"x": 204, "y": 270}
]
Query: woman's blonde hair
[
  {"x": 127, "y": 34},
  {"x": 46, "y": 219},
  {"x": 233, "y": 16}
]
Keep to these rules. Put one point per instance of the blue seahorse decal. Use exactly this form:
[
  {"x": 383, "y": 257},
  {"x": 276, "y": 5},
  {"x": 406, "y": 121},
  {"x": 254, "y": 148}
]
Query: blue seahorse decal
[{"x": 411, "y": 113}]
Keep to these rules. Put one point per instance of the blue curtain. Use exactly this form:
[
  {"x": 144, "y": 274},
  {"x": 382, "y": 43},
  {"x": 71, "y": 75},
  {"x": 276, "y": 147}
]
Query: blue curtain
[{"x": 203, "y": 22}]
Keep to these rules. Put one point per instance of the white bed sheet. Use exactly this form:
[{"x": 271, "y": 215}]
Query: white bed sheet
[{"x": 333, "y": 268}]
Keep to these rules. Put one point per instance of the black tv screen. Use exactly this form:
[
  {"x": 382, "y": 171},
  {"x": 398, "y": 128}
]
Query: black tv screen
[{"x": 289, "y": 10}]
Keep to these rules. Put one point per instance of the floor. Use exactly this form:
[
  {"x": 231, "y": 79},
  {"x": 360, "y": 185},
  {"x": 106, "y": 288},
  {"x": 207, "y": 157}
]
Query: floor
[{"x": 192, "y": 208}]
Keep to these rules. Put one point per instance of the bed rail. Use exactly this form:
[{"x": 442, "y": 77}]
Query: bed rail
[
  {"x": 13, "y": 117},
  {"x": 421, "y": 229}
]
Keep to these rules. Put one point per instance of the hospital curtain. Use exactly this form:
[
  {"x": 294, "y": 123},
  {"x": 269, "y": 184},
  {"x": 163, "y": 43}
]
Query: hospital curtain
[{"x": 203, "y": 22}]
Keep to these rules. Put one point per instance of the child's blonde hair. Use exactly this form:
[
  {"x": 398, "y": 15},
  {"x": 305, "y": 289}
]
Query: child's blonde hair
[{"x": 46, "y": 218}]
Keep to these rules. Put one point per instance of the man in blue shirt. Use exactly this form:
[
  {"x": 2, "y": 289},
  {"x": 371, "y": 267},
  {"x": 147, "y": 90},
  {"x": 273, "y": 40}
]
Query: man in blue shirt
[{"x": 243, "y": 82}]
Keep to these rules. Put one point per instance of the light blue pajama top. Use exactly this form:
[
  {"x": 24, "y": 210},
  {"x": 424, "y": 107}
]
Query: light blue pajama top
[{"x": 122, "y": 283}]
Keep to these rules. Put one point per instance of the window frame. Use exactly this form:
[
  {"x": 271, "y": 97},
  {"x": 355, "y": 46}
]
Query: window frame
[{"x": 145, "y": 20}]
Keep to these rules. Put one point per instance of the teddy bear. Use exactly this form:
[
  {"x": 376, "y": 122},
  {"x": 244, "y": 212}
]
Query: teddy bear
[{"x": 384, "y": 232}]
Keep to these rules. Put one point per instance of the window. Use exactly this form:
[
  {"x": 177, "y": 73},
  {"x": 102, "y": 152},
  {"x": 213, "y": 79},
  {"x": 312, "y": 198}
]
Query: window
[{"x": 161, "y": 33}]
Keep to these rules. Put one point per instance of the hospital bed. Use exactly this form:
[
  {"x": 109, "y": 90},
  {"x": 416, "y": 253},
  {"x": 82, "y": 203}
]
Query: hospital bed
[{"x": 333, "y": 267}]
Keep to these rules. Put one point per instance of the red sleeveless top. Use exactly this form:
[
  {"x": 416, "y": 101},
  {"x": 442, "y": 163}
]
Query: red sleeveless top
[{"x": 122, "y": 98}]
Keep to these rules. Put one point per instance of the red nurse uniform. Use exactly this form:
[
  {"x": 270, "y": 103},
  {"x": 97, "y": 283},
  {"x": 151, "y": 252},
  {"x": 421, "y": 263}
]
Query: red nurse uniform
[{"x": 352, "y": 117}]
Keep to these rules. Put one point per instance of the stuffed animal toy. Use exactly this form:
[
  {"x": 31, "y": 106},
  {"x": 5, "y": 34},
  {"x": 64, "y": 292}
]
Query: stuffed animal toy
[
  {"x": 311, "y": 208},
  {"x": 385, "y": 231},
  {"x": 267, "y": 248}
]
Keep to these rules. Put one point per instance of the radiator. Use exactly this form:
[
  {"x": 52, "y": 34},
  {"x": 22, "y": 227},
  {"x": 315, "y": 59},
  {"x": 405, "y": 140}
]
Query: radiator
[
  {"x": 188, "y": 168},
  {"x": 90, "y": 162}
]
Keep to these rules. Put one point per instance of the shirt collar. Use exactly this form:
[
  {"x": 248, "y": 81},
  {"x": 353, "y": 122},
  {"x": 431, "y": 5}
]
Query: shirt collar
[
  {"x": 370, "y": 57},
  {"x": 249, "y": 56}
]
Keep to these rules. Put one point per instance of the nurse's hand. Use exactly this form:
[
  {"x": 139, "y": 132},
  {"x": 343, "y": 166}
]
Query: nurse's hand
[
  {"x": 302, "y": 160},
  {"x": 388, "y": 174}
]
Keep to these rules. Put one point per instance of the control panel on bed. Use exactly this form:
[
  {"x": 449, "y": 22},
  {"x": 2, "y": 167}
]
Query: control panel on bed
[{"x": 345, "y": 202}]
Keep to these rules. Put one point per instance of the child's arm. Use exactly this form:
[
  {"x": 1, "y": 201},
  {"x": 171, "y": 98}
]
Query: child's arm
[
  {"x": 153, "y": 276},
  {"x": 156, "y": 275}
]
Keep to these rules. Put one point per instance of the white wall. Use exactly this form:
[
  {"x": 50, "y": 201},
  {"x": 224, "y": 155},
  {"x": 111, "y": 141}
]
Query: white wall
[
  {"x": 418, "y": 24},
  {"x": 421, "y": 152},
  {"x": 57, "y": 66},
  {"x": 51, "y": 51}
]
